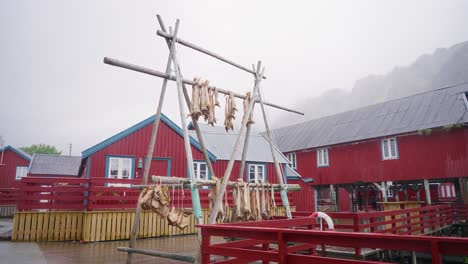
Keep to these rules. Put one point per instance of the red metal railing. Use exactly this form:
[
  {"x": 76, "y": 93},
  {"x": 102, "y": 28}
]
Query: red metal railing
[{"x": 296, "y": 235}]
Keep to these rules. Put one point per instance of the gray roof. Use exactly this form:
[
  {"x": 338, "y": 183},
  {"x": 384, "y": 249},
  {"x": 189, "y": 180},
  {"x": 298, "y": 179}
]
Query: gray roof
[
  {"x": 220, "y": 143},
  {"x": 55, "y": 165},
  {"x": 436, "y": 108}
]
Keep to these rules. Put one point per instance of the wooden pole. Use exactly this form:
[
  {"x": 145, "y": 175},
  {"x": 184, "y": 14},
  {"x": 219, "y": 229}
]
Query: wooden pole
[
  {"x": 187, "y": 100},
  {"x": 227, "y": 173},
  {"x": 186, "y": 183},
  {"x": 427, "y": 190},
  {"x": 246, "y": 145},
  {"x": 188, "y": 151},
  {"x": 159, "y": 74},
  {"x": 179, "y": 257},
  {"x": 205, "y": 51},
  {"x": 152, "y": 143},
  {"x": 279, "y": 173}
]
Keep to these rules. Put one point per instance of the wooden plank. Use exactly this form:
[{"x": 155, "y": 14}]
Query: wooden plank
[
  {"x": 68, "y": 226},
  {"x": 45, "y": 227},
  {"x": 114, "y": 224},
  {"x": 14, "y": 234},
  {"x": 124, "y": 226},
  {"x": 63, "y": 226},
  {"x": 50, "y": 228},
  {"x": 72, "y": 227},
  {"x": 93, "y": 227},
  {"x": 105, "y": 218},
  {"x": 39, "y": 227},
  {"x": 98, "y": 227},
  {"x": 129, "y": 224},
  {"x": 150, "y": 224},
  {"x": 27, "y": 227},
  {"x": 33, "y": 229},
  {"x": 109, "y": 226},
  {"x": 57, "y": 217},
  {"x": 118, "y": 235},
  {"x": 79, "y": 231}
]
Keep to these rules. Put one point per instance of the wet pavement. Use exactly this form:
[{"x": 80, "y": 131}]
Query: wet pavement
[{"x": 98, "y": 252}]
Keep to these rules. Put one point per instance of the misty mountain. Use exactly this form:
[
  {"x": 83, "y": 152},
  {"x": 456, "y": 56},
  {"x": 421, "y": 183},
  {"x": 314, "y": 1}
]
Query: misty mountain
[{"x": 444, "y": 67}]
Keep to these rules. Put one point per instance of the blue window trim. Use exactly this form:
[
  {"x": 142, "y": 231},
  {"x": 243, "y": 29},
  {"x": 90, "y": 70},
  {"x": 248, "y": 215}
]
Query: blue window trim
[
  {"x": 132, "y": 169},
  {"x": 396, "y": 149},
  {"x": 88, "y": 167},
  {"x": 265, "y": 172},
  {"x": 134, "y": 128},
  {"x": 317, "y": 158},
  {"x": 16, "y": 169}
]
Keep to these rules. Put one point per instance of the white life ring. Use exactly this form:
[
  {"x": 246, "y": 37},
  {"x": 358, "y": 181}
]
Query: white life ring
[{"x": 325, "y": 217}]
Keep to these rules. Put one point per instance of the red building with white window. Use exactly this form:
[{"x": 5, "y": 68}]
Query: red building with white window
[
  {"x": 13, "y": 166},
  {"x": 123, "y": 155},
  {"x": 387, "y": 151}
]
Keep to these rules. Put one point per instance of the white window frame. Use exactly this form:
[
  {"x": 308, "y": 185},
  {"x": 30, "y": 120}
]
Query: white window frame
[
  {"x": 292, "y": 157},
  {"x": 257, "y": 169},
  {"x": 120, "y": 168},
  {"x": 386, "y": 148},
  {"x": 454, "y": 194},
  {"x": 322, "y": 157},
  {"x": 197, "y": 168},
  {"x": 389, "y": 193},
  {"x": 21, "y": 171}
]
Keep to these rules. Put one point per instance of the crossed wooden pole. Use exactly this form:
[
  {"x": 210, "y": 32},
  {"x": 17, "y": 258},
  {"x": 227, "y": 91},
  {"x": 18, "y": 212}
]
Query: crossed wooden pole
[{"x": 172, "y": 40}]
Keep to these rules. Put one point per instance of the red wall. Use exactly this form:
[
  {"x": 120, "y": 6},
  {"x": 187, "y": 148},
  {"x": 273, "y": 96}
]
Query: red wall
[
  {"x": 169, "y": 144},
  {"x": 8, "y": 171},
  {"x": 440, "y": 155}
]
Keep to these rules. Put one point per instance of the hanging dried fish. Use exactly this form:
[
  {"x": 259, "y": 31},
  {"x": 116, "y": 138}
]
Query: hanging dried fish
[
  {"x": 205, "y": 103},
  {"x": 229, "y": 112},
  {"x": 263, "y": 205},
  {"x": 216, "y": 96},
  {"x": 211, "y": 114},
  {"x": 195, "y": 111},
  {"x": 246, "y": 209},
  {"x": 212, "y": 197},
  {"x": 248, "y": 98}
]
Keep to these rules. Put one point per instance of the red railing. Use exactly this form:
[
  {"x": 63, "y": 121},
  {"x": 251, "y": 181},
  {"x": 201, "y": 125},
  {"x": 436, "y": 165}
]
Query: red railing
[
  {"x": 295, "y": 235},
  {"x": 65, "y": 193},
  {"x": 9, "y": 196},
  {"x": 51, "y": 193}
]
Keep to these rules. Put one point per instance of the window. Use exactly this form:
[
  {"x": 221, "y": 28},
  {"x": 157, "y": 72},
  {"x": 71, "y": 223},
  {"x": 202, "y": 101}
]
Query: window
[
  {"x": 322, "y": 157},
  {"x": 200, "y": 170},
  {"x": 256, "y": 172},
  {"x": 389, "y": 192},
  {"x": 293, "y": 160},
  {"x": 447, "y": 190},
  {"x": 21, "y": 171},
  {"x": 120, "y": 168},
  {"x": 389, "y": 149}
]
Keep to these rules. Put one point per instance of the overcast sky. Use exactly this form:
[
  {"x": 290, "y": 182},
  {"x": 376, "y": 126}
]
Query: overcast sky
[{"x": 54, "y": 88}]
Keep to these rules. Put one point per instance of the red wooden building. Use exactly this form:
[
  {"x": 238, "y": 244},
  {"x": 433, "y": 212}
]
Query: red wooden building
[
  {"x": 123, "y": 155},
  {"x": 388, "y": 151},
  {"x": 14, "y": 165}
]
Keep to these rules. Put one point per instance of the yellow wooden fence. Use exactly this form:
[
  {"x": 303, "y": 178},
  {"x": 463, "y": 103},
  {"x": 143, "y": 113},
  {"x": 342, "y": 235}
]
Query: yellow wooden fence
[{"x": 95, "y": 226}]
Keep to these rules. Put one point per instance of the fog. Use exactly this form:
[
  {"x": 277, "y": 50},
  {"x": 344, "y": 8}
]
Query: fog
[{"x": 55, "y": 89}]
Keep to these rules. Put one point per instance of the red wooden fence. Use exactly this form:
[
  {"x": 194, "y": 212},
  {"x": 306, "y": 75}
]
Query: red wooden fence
[
  {"x": 65, "y": 193},
  {"x": 294, "y": 235},
  {"x": 8, "y": 196}
]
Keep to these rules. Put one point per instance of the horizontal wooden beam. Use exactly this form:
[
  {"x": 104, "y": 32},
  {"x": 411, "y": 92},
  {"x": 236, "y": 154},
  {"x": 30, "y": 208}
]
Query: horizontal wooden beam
[
  {"x": 133, "y": 67},
  {"x": 179, "y": 257},
  {"x": 205, "y": 51}
]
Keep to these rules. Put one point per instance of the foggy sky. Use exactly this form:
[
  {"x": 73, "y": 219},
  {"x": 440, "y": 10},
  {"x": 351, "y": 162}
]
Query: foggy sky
[{"x": 54, "y": 88}]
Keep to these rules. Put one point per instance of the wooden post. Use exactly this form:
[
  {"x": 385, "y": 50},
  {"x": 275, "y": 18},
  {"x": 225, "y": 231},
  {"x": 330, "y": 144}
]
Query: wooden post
[
  {"x": 137, "y": 68},
  {"x": 187, "y": 100},
  {"x": 279, "y": 173},
  {"x": 244, "y": 150},
  {"x": 188, "y": 151},
  {"x": 152, "y": 143},
  {"x": 427, "y": 190},
  {"x": 227, "y": 173}
]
